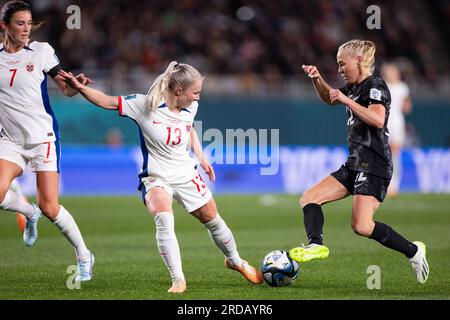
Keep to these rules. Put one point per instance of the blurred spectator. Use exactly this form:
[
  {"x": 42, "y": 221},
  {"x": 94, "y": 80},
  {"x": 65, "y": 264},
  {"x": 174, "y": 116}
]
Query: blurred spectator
[
  {"x": 400, "y": 105},
  {"x": 243, "y": 37},
  {"x": 114, "y": 137}
]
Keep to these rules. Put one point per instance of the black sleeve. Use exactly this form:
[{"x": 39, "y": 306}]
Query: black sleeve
[
  {"x": 378, "y": 93},
  {"x": 344, "y": 90},
  {"x": 54, "y": 71}
]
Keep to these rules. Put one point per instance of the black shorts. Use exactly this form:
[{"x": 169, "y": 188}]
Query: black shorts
[{"x": 362, "y": 183}]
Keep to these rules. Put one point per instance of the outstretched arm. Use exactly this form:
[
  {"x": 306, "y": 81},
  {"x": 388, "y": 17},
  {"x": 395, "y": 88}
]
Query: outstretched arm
[
  {"x": 65, "y": 88},
  {"x": 94, "y": 96},
  {"x": 197, "y": 149}
]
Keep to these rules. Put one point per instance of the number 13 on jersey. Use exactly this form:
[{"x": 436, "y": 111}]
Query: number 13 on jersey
[{"x": 174, "y": 133}]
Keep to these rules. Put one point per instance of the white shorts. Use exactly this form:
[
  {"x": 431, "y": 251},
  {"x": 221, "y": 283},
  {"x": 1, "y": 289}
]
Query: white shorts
[
  {"x": 40, "y": 157},
  {"x": 190, "y": 195}
]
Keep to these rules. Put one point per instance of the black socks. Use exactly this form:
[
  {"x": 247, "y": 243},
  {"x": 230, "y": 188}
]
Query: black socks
[
  {"x": 384, "y": 234},
  {"x": 391, "y": 239},
  {"x": 313, "y": 220}
]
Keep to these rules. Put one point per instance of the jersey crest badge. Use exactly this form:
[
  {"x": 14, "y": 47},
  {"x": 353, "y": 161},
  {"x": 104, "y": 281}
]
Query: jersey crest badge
[
  {"x": 375, "y": 94},
  {"x": 30, "y": 67}
]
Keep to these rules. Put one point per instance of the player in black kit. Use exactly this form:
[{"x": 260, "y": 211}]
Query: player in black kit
[{"x": 368, "y": 169}]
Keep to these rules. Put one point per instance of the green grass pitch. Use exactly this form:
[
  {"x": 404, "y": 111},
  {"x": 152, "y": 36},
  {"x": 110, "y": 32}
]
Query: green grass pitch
[{"x": 121, "y": 234}]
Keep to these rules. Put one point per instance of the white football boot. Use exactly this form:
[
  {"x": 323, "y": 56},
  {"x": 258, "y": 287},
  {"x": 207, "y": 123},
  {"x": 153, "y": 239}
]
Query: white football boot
[
  {"x": 419, "y": 263},
  {"x": 30, "y": 233},
  {"x": 85, "y": 270}
]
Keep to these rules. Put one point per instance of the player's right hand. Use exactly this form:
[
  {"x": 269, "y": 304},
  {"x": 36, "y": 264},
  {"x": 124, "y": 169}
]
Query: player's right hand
[
  {"x": 70, "y": 79},
  {"x": 311, "y": 71}
]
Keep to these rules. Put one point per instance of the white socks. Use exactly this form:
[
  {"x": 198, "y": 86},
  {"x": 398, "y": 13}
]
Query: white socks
[
  {"x": 64, "y": 221},
  {"x": 16, "y": 203},
  {"x": 168, "y": 244},
  {"x": 68, "y": 227},
  {"x": 223, "y": 238}
]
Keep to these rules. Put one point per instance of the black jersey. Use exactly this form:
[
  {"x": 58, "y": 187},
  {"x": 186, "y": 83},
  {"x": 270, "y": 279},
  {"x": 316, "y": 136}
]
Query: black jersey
[{"x": 369, "y": 149}]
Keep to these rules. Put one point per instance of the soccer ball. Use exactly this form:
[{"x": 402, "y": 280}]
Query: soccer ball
[{"x": 279, "y": 269}]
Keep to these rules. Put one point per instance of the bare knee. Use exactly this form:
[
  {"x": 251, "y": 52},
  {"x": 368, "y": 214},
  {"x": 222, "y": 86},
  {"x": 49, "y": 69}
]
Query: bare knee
[
  {"x": 307, "y": 198},
  {"x": 363, "y": 228},
  {"x": 207, "y": 212},
  {"x": 49, "y": 209},
  {"x": 152, "y": 208},
  {"x": 204, "y": 216},
  {"x": 157, "y": 201},
  {"x": 155, "y": 208}
]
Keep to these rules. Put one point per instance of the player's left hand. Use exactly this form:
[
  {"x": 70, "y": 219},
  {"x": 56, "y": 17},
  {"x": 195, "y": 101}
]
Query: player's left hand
[
  {"x": 208, "y": 169},
  {"x": 337, "y": 96},
  {"x": 70, "y": 79}
]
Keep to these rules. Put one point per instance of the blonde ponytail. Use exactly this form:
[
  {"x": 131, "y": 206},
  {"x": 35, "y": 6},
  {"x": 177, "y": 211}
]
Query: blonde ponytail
[
  {"x": 177, "y": 74},
  {"x": 157, "y": 90},
  {"x": 363, "y": 48}
]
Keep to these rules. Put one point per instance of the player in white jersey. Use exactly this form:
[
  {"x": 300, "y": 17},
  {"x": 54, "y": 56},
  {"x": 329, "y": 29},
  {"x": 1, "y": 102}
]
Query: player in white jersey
[
  {"x": 165, "y": 117},
  {"x": 29, "y": 132},
  {"x": 400, "y": 105}
]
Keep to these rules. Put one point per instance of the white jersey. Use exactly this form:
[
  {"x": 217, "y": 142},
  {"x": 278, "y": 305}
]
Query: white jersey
[
  {"x": 399, "y": 92},
  {"x": 26, "y": 116},
  {"x": 165, "y": 138},
  {"x": 396, "y": 123}
]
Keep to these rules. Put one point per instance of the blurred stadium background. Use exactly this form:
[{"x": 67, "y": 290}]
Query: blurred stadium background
[{"x": 251, "y": 53}]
